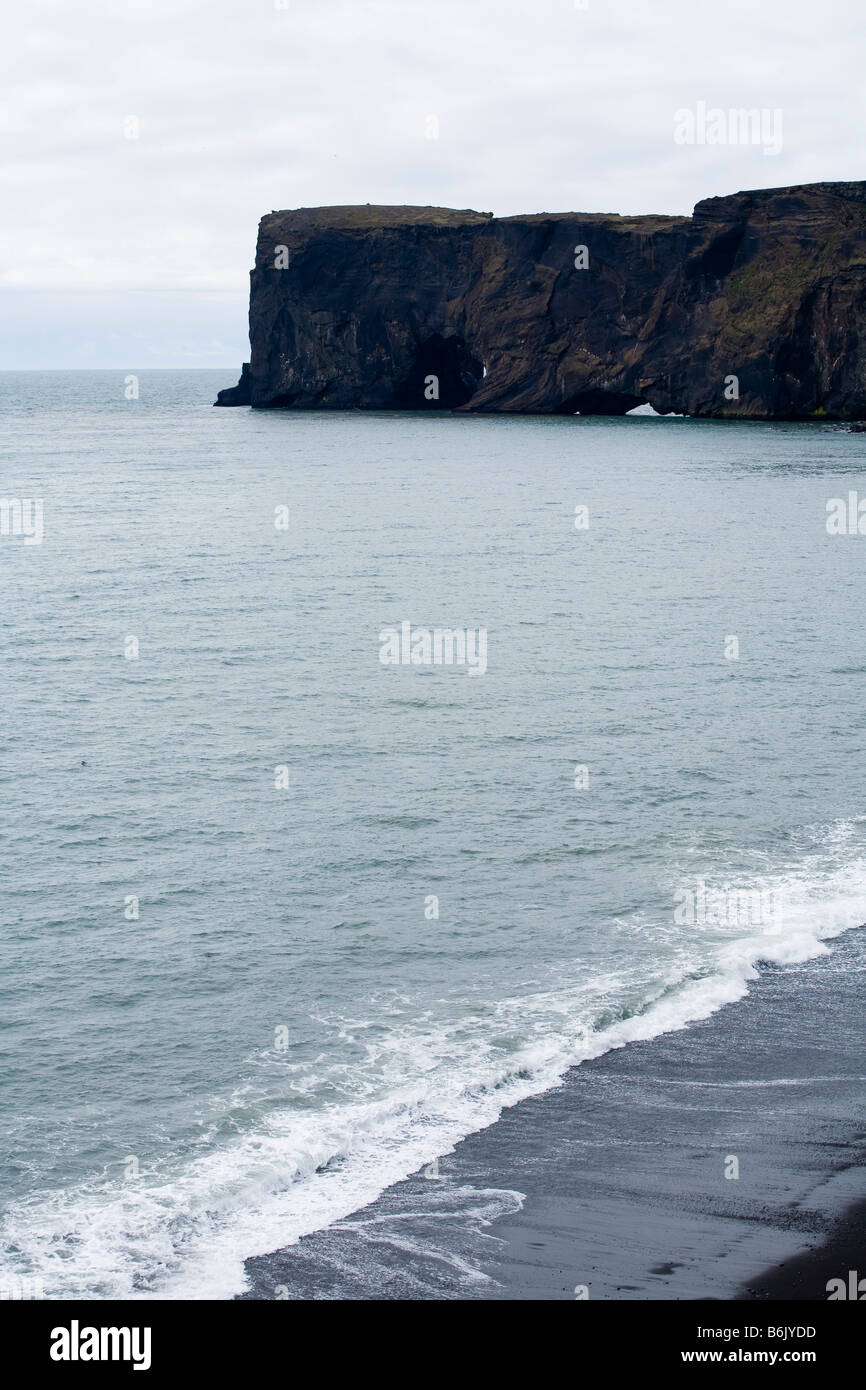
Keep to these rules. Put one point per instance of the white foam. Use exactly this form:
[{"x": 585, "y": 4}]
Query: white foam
[{"x": 186, "y": 1232}]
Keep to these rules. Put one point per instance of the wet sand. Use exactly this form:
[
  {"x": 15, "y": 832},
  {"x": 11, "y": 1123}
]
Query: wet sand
[{"x": 615, "y": 1183}]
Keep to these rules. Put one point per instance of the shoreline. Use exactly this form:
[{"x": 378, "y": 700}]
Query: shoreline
[
  {"x": 614, "y": 1183},
  {"x": 807, "y": 1277}
]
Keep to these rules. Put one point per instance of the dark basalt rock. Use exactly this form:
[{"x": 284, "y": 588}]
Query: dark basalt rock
[
  {"x": 359, "y": 307},
  {"x": 237, "y": 395}
]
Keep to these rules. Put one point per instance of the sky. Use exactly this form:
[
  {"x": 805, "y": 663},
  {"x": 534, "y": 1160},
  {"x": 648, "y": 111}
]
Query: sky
[{"x": 142, "y": 140}]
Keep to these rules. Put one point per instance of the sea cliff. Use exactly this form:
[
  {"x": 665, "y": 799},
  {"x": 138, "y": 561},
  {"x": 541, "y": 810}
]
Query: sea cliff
[{"x": 755, "y": 306}]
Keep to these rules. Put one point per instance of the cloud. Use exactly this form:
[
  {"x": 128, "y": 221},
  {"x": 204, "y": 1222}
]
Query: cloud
[{"x": 142, "y": 141}]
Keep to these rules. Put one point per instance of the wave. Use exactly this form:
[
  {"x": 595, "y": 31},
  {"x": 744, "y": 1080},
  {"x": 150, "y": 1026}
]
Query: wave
[{"x": 183, "y": 1229}]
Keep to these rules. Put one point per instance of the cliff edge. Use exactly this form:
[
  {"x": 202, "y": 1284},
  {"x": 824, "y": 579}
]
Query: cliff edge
[{"x": 755, "y": 306}]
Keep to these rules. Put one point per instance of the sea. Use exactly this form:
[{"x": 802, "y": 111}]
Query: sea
[{"x": 284, "y": 920}]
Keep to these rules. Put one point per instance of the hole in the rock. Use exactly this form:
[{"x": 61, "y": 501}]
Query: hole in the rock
[{"x": 443, "y": 376}]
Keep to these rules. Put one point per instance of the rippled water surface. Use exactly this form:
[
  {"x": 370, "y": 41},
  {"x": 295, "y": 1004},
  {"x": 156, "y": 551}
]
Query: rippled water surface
[{"x": 286, "y": 1026}]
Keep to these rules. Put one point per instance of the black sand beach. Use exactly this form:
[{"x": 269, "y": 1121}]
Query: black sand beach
[{"x": 614, "y": 1183}]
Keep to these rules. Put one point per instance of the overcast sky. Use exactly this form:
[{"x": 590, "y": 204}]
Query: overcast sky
[{"x": 134, "y": 252}]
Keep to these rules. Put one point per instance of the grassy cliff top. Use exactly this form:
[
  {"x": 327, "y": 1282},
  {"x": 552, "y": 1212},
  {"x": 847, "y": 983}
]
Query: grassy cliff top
[
  {"x": 370, "y": 216},
  {"x": 378, "y": 215}
]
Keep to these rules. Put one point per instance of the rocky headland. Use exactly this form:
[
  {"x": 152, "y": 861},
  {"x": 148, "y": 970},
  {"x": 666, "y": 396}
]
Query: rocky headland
[{"x": 753, "y": 307}]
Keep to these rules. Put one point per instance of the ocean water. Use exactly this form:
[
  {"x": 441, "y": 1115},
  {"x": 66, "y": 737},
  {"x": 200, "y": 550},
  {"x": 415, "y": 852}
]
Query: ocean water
[{"x": 619, "y": 819}]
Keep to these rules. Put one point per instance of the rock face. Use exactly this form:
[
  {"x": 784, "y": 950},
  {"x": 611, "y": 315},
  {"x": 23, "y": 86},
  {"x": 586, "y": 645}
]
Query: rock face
[
  {"x": 753, "y": 307},
  {"x": 237, "y": 395}
]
